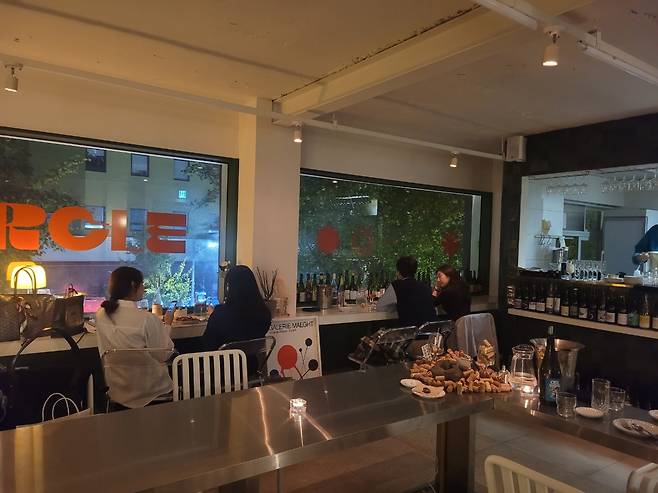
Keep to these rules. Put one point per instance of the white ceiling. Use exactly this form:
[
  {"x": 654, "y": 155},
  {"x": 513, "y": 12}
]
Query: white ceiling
[{"x": 239, "y": 49}]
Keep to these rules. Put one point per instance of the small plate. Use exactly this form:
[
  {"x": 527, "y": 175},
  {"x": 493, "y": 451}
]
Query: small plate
[
  {"x": 589, "y": 412},
  {"x": 434, "y": 393},
  {"x": 410, "y": 383},
  {"x": 654, "y": 414},
  {"x": 623, "y": 424}
]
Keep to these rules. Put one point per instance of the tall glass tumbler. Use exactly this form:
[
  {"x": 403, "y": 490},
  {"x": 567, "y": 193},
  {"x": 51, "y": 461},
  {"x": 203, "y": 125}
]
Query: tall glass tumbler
[{"x": 601, "y": 394}]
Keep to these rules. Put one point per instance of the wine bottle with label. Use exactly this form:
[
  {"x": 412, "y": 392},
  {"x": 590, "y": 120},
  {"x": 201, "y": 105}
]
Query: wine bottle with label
[
  {"x": 541, "y": 299},
  {"x": 574, "y": 298},
  {"x": 314, "y": 289},
  {"x": 557, "y": 301},
  {"x": 610, "y": 309},
  {"x": 550, "y": 298},
  {"x": 622, "y": 312},
  {"x": 301, "y": 290},
  {"x": 633, "y": 313},
  {"x": 600, "y": 308},
  {"x": 550, "y": 375},
  {"x": 564, "y": 309},
  {"x": 645, "y": 317},
  {"x": 582, "y": 305},
  {"x": 532, "y": 302}
]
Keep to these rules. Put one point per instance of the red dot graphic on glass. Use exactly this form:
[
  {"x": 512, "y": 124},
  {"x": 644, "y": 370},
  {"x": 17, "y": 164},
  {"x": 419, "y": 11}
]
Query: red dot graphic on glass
[
  {"x": 287, "y": 357},
  {"x": 327, "y": 239}
]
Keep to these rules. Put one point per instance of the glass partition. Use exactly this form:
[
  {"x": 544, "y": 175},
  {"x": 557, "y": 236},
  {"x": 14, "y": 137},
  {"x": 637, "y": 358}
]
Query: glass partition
[{"x": 82, "y": 211}]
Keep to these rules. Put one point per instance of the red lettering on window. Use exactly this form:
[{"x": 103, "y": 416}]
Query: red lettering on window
[
  {"x": 165, "y": 224},
  {"x": 59, "y": 229},
  {"x": 23, "y": 216}
]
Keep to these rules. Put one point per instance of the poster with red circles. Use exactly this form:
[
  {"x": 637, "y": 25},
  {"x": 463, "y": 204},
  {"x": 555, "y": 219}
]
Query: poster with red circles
[{"x": 297, "y": 350}]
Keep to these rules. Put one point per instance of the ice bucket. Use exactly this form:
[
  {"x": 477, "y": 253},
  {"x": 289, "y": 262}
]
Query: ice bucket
[{"x": 567, "y": 354}]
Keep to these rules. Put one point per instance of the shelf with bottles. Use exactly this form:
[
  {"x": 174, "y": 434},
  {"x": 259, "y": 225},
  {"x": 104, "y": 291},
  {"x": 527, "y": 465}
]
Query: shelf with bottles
[
  {"x": 348, "y": 288},
  {"x": 604, "y": 304}
]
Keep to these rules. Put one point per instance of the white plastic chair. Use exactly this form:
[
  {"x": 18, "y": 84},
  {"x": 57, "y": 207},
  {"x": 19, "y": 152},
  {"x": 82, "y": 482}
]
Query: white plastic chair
[
  {"x": 209, "y": 373},
  {"x": 643, "y": 480},
  {"x": 471, "y": 330},
  {"x": 506, "y": 476}
]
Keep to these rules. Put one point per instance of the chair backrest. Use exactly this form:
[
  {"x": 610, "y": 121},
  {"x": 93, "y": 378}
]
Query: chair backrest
[
  {"x": 471, "y": 330},
  {"x": 123, "y": 367},
  {"x": 209, "y": 373},
  {"x": 256, "y": 350},
  {"x": 643, "y": 479},
  {"x": 506, "y": 476}
]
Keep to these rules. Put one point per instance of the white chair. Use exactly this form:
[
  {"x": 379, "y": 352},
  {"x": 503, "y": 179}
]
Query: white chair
[
  {"x": 471, "y": 330},
  {"x": 506, "y": 476},
  {"x": 643, "y": 480},
  {"x": 209, "y": 373}
]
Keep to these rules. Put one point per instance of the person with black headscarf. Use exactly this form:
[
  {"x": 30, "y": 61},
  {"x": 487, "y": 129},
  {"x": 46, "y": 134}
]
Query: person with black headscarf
[{"x": 243, "y": 315}]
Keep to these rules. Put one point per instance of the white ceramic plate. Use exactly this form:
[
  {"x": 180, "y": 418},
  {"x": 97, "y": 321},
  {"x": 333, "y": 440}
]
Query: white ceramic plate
[
  {"x": 589, "y": 412},
  {"x": 622, "y": 423},
  {"x": 434, "y": 393},
  {"x": 410, "y": 383},
  {"x": 654, "y": 414}
]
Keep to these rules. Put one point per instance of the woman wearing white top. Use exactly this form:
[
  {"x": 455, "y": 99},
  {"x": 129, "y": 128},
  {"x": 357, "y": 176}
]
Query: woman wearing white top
[{"x": 120, "y": 324}]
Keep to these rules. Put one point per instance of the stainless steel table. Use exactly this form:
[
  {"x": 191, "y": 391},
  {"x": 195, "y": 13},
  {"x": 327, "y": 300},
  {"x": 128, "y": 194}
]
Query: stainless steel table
[
  {"x": 194, "y": 445},
  {"x": 599, "y": 431}
]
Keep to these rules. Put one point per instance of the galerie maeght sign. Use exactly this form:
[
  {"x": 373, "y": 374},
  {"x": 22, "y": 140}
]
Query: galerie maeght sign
[{"x": 21, "y": 229}]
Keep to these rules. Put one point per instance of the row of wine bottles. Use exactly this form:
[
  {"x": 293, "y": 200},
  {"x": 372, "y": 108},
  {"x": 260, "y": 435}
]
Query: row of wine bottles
[
  {"x": 620, "y": 306},
  {"x": 350, "y": 283}
]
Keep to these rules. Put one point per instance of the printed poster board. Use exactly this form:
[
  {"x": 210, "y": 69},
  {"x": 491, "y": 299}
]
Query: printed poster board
[{"x": 297, "y": 350}]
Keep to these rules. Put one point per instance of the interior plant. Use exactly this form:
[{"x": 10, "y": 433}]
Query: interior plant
[{"x": 267, "y": 282}]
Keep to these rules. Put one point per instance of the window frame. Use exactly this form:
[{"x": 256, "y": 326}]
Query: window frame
[
  {"x": 486, "y": 205},
  {"x": 89, "y": 160},
  {"x": 132, "y": 164},
  {"x": 228, "y": 207}
]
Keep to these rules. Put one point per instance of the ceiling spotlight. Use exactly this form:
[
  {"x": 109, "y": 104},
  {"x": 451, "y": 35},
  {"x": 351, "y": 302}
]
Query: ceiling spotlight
[
  {"x": 11, "y": 84},
  {"x": 297, "y": 133},
  {"x": 552, "y": 51},
  {"x": 455, "y": 160}
]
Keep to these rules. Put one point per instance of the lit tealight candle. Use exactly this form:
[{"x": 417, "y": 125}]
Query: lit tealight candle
[{"x": 297, "y": 406}]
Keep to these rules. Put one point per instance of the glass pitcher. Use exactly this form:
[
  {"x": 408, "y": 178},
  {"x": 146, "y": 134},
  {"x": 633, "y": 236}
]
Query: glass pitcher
[{"x": 523, "y": 376}]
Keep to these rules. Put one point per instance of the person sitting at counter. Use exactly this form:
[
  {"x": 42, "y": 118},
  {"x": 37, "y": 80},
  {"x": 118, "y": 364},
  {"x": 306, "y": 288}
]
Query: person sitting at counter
[
  {"x": 120, "y": 324},
  {"x": 648, "y": 243},
  {"x": 451, "y": 293},
  {"x": 411, "y": 298},
  {"x": 243, "y": 315}
]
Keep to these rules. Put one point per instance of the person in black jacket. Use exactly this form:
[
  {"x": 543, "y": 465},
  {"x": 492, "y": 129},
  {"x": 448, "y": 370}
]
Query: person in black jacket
[
  {"x": 242, "y": 316},
  {"x": 411, "y": 298},
  {"x": 452, "y": 293}
]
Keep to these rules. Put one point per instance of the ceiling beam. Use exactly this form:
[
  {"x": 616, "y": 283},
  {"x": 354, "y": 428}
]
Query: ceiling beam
[{"x": 453, "y": 44}]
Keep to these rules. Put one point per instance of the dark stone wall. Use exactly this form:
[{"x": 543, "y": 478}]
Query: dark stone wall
[{"x": 629, "y": 360}]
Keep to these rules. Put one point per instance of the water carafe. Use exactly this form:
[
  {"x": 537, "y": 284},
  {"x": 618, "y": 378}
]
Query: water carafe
[{"x": 523, "y": 375}]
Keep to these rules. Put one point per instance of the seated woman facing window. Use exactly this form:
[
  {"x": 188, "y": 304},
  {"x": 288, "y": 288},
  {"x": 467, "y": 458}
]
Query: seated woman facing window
[
  {"x": 243, "y": 315},
  {"x": 451, "y": 293},
  {"x": 138, "y": 379}
]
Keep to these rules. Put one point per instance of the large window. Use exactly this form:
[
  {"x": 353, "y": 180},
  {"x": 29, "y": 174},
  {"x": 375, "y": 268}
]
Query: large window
[
  {"x": 351, "y": 224},
  {"x": 102, "y": 217}
]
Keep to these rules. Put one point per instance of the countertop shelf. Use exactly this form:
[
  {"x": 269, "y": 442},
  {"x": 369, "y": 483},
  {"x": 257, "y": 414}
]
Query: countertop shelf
[{"x": 587, "y": 324}]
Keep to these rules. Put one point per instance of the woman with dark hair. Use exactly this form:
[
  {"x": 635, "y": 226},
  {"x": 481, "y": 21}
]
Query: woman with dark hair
[
  {"x": 451, "y": 292},
  {"x": 120, "y": 324},
  {"x": 243, "y": 315}
]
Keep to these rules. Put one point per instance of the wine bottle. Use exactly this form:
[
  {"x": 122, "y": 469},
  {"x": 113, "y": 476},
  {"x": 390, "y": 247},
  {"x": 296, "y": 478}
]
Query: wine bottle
[
  {"x": 334, "y": 289},
  {"x": 622, "y": 312},
  {"x": 654, "y": 316},
  {"x": 645, "y": 317},
  {"x": 314, "y": 289},
  {"x": 564, "y": 309},
  {"x": 541, "y": 299},
  {"x": 600, "y": 309},
  {"x": 532, "y": 302},
  {"x": 550, "y": 299},
  {"x": 354, "y": 293},
  {"x": 525, "y": 301},
  {"x": 309, "y": 288},
  {"x": 557, "y": 301},
  {"x": 549, "y": 374},
  {"x": 573, "y": 303},
  {"x": 518, "y": 297},
  {"x": 610, "y": 310},
  {"x": 592, "y": 309},
  {"x": 582, "y": 305},
  {"x": 633, "y": 314},
  {"x": 301, "y": 290}
]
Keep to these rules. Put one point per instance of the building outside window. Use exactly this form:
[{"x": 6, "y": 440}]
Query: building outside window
[
  {"x": 95, "y": 160},
  {"x": 362, "y": 227},
  {"x": 139, "y": 165},
  {"x": 53, "y": 176},
  {"x": 180, "y": 170}
]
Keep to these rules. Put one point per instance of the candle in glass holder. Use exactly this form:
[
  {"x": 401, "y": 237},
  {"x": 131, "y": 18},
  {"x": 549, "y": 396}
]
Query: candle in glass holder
[{"x": 297, "y": 406}]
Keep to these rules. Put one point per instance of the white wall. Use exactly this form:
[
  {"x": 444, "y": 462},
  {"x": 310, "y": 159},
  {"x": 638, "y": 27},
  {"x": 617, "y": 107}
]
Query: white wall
[{"x": 64, "y": 105}]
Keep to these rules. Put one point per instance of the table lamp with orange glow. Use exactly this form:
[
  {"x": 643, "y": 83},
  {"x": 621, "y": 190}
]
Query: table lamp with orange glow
[{"x": 26, "y": 275}]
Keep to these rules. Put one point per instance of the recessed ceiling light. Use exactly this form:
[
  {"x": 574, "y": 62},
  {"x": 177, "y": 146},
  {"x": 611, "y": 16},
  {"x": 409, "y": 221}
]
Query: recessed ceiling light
[
  {"x": 334, "y": 181},
  {"x": 454, "y": 162},
  {"x": 146, "y": 179},
  {"x": 11, "y": 85}
]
